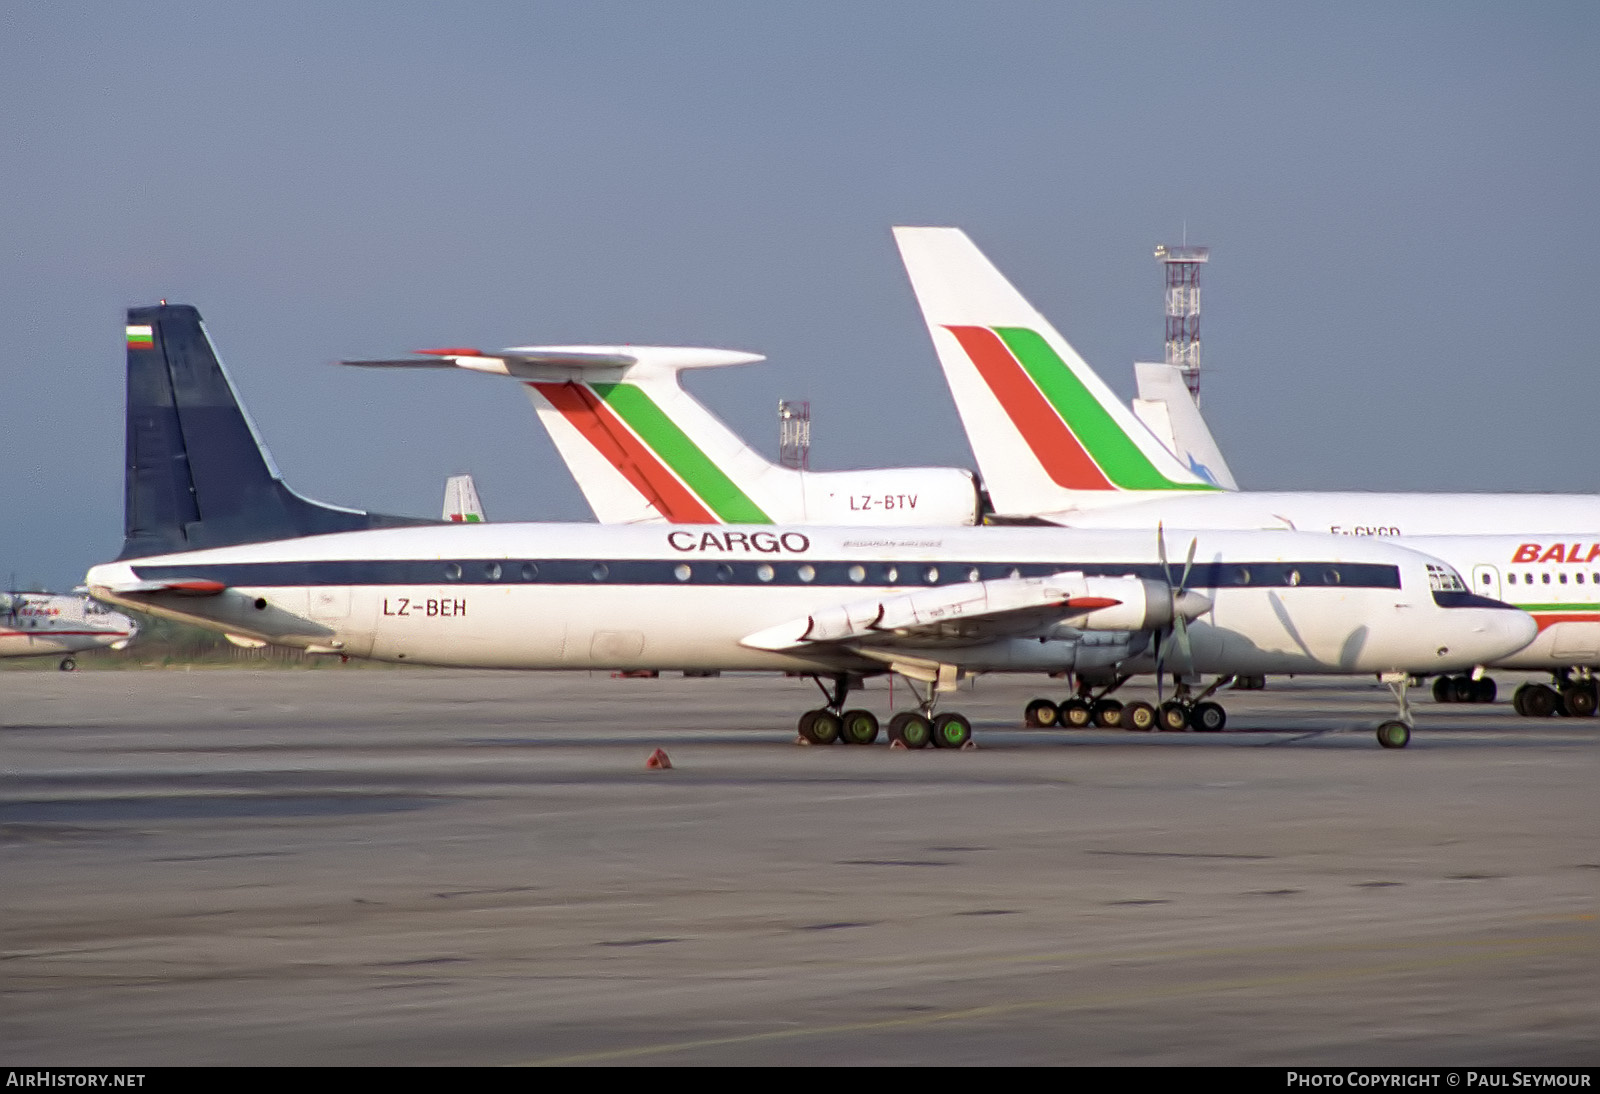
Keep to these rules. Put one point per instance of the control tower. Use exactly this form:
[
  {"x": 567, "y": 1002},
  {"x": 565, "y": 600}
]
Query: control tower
[{"x": 1183, "y": 309}]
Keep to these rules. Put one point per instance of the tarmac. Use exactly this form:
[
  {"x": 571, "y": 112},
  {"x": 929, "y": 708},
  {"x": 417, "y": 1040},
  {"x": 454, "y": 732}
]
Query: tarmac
[{"x": 343, "y": 866}]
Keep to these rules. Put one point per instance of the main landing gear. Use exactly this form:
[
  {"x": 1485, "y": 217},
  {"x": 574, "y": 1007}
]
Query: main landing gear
[
  {"x": 908, "y": 729},
  {"x": 1083, "y": 709},
  {"x": 67, "y": 665},
  {"x": 1571, "y": 693},
  {"x": 1464, "y": 689},
  {"x": 1180, "y": 713}
]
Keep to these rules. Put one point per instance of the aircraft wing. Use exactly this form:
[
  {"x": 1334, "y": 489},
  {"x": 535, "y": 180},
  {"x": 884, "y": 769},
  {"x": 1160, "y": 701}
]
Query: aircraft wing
[{"x": 977, "y": 611}]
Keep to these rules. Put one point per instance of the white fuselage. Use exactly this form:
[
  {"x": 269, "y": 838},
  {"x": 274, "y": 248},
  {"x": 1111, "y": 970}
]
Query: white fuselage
[
  {"x": 1340, "y": 513},
  {"x": 580, "y": 596},
  {"x": 35, "y": 624},
  {"x": 1555, "y": 579},
  {"x": 1545, "y": 568}
]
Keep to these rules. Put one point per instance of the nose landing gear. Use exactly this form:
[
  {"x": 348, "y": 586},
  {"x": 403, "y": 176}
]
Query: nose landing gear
[{"x": 1396, "y": 733}]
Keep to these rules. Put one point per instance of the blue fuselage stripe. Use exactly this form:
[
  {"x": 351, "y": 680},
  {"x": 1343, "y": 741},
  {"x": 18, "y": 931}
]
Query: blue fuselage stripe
[{"x": 703, "y": 571}]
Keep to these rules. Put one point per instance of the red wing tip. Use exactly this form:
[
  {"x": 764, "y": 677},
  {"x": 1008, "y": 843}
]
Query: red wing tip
[
  {"x": 1091, "y": 603},
  {"x": 452, "y": 351}
]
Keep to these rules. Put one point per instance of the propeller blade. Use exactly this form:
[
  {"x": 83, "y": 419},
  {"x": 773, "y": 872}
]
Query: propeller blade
[
  {"x": 1180, "y": 631},
  {"x": 1188, "y": 563}
]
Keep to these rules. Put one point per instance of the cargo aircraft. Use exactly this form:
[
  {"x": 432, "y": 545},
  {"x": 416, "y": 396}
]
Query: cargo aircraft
[
  {"x": 214, "y": 537},
  {"x": 1054, "y": 444},
  {"x": 47, "y": 624}
]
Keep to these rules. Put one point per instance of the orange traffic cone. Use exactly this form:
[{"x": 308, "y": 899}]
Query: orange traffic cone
[{"x": 658, "y": 761}]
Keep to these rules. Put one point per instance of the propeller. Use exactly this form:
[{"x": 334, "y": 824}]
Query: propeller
[{"x": 1185, "y": 605}]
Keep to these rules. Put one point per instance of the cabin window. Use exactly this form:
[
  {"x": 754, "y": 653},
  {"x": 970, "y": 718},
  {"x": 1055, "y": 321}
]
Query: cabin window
[
  {"x": 600, "y": 570},
  {"x": 858, "y": 574},
  {"x": 724, "y": 572},
  {"x": 1486, "y": 579},
  {"x": 1330, "y": 577},
  {"x": 529, "y": 571},
  {"x": 682, "y": 572},
  {"x": 891, "y": 574},
  {"x": 1293, "y": 577},
  {"x": 452, "y": 572},
  {"x": 1546, "y": 577},
  {"x": 1563, "y": 577},
  {"x": 931, "y": 575},
  {"x": 1527, "y": 579},
  {"x": 764, "y": 572},
  {"x": 806, "y": 572},
  {"x": 1510, "y": 578},
  {"x": 492, "y": 571},
  {"x": 1241, "y": 576},
  {"x": 972, "y": 574},
  {"x": 1580, "y": 579}
]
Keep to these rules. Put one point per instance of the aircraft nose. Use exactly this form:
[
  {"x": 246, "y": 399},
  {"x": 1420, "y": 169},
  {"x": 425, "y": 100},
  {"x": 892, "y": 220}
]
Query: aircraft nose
[{"x": 1496, "y": 633}]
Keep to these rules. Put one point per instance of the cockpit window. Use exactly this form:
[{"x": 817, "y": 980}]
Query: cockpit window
[{"x": 1442, "y": 579}]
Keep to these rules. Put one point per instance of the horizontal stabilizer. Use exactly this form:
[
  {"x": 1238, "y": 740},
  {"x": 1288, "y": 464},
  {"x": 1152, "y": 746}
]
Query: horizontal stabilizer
[{"x": 558, "y": 362}]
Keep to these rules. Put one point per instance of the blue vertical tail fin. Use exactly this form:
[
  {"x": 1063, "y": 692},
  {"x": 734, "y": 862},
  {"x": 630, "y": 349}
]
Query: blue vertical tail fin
[{"x": 197, "y": 473}]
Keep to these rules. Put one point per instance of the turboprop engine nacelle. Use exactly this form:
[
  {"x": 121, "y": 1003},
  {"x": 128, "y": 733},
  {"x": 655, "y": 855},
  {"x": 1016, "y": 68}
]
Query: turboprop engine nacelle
[{"x": 1142, "y": 604}]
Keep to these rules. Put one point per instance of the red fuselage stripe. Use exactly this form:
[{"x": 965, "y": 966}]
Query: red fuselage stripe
[
  {"x": 1053, "y": 445},
  {"x": 1575, "y": 617},
  {"x": 646, "y": 474}
]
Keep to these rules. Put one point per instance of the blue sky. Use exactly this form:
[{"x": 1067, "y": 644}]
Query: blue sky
[{"x": 1401, "y": 202}]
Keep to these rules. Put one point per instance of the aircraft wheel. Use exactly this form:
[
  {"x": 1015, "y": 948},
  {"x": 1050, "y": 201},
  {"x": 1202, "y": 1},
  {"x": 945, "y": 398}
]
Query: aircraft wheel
[
  {"x": 910, "y": 729},
  {"x": 1074, "y": 714},
  {"x": 1106, "y": 713},
  {"x": 951, "y": 731},
  {"x": 1208, "y": 717},
  {"x": 1139, "y": 717},
  {"x": 1174, "y": 717},
  {"x": 1540, "y": 701},
  {"x": 1579, "y": 700},
  {"x": 1518, "y": 700},
  {"x": 1484, "y": 690},
  {"x": 1394, "y": 735},
  {"x": 1040, "y": 714},
  {"x": 1463, "y": 689},
  {"x": 1443, "y": 690},
  {"x": 820, "y": 727},
  {"x": 858, "y": 727},
  {"x": 68, "y": 665}
]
